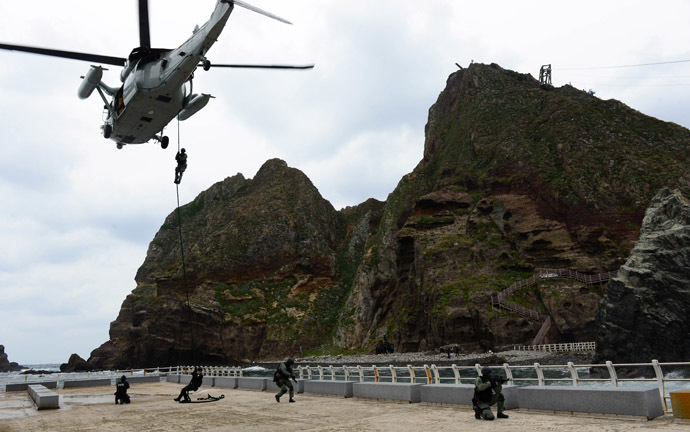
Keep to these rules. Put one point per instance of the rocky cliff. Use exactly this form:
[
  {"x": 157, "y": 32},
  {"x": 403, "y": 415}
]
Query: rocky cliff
[
  {"x": 5, "y": 364},
  {"x": 644, "y": 313},
  {"x": 514, "y": 177}
]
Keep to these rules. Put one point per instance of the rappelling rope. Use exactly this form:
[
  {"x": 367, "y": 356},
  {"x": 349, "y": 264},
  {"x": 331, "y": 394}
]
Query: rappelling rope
[{"x": 184, "y": 267}]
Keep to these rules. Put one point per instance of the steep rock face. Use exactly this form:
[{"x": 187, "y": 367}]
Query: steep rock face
[
  {"x": 515, "y": 177},
  {"x": 644, "y": 313},
  {"x": 265, "y": 274},
  {"x": 5, "y": 364}
]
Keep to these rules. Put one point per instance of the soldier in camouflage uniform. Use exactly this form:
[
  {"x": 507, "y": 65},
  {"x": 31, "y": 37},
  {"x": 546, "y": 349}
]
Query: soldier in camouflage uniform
[
  {"x": 487, "y": 392},
  {"x": 282, "y": 378}
]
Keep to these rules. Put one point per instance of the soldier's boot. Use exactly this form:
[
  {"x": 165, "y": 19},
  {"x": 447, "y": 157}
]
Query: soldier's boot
[
  {"x": 477, "y": 412},
  {"x": 277, "y": 398},
  {"x": 292, "y": 400},
  {"x": 501, "y": 407}
]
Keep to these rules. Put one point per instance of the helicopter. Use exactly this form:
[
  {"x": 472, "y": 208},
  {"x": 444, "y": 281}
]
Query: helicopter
[{"x": 154, "y": 80}]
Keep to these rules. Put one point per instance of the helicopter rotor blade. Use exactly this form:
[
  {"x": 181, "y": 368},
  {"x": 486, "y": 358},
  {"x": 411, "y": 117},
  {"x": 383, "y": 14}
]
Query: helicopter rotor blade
[
  {"x": 250, "y": 66},
  {"x": 260, "y": 11},
  {"x": 93, "y": 58},
  {"x": 144, "y": 29}
]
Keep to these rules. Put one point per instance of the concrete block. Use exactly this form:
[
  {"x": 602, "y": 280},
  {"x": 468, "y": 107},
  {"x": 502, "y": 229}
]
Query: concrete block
[
  {"x": 462, "y": 394},
  {"x": 247, "y": 383},
  {"x": 336, "y": 388},
  {"x": 410, "y": 392},
  {"x": 680, "y": 402},
  {"x": 142, "y": 379},
  {"x": 226, "y": 382},
  {"x": 208, "y": 381},
  {"x": 25, "y": 386},
  {"x": 173, "y": 379},
  {"x": 628, "y": 401},
  {"x": 88, "y": 383},
  {"x": 185, "y": 379},
  {"x": 43, "y": 397}
]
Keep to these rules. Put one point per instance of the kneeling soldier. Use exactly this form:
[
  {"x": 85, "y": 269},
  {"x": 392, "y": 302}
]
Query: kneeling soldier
[{"x": 487, "y": 392}]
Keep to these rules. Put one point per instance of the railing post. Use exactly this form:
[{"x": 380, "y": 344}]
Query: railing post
[
  {"x": 361, "y": 373},
  {"x": 332, "y": 372},
  {"x": 346, "y": 372},
  {"x": 320, "y": 373},
  {"x": 437, "y": 378},
  {"x": 376, "y": 373},
  {"x": 540, "y": 374},
  {"x": 478, "y": 367},
  {"x": 413, "y": 376},
  {"x": 428, "y": 374},
  {"x": 394, "y": 376},
  {"x": 573, "y": 374},
  {"x": 309, "y": 375},
  {"x": 301, "y": 372},
  {"x": 612, "y": 373},
  {"x": 509, "y": 373},
  {"x": 456, "y": 373},
  {"x": 660, "y": 382}
]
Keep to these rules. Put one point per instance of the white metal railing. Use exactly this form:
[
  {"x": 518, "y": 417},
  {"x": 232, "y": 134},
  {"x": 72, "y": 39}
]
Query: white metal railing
[
  {"x": 535, "y": 374},
  {"x": 561, "y": 347}
]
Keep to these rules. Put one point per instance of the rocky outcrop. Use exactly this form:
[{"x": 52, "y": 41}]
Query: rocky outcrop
[
  {"x": 268, "y": 264},
  {"x": 514, "y": 177},
  {"x": 75, "y": 364},
  {"x": 644, "y": 313},
  {"x": 5, "y": 364}
]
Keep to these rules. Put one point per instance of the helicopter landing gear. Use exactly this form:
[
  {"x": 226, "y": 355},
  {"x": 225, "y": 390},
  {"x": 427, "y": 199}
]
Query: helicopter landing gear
[
  {"x": 206, "y": 65},
  {"x": 164, "y": 142},
  {"x": 107, "y": 131},
  {"x": 119, "y": 146}
]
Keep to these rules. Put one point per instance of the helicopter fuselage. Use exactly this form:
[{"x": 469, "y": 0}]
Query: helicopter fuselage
[{"x": 153, "y": 90}]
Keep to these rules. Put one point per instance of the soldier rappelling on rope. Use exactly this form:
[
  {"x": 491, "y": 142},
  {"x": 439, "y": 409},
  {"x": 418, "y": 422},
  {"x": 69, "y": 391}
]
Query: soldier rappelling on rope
[{"x": 181, "y": 159}]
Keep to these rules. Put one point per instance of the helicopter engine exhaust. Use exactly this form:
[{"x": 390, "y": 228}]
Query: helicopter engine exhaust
[
  {"x": 91, "y": 81},
  {"x": 195, "y": 104}
]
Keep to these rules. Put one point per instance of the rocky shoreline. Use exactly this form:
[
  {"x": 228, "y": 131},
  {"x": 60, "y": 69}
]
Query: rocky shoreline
[{"x": 512, "y": 357}]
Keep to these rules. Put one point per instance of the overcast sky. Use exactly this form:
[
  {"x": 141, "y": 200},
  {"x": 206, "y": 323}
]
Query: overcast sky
[{"x": 77, "y": 215}]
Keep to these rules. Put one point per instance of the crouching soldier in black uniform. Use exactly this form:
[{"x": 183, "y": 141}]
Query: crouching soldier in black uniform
[
  {"x": 282, "y": 378},
  {"x": 121, "y": 395},
  {"x": 487, "y": 392},
  {"x": 194, "y": 384}
]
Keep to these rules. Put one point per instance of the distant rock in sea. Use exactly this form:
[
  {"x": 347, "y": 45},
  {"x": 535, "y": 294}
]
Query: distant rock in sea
[
  {"x": 5, "y": 364},
  {"x": 75, "y": 364}
]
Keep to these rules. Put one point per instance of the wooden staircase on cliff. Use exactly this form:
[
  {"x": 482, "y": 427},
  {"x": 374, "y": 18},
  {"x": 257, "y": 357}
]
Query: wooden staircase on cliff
[{"x": 498, "y": 300}]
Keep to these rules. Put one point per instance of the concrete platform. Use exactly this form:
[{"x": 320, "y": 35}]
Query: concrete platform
[
  {"x": 461, "y": 394},
  {"x": 628, "y": 401},
  {"x": 43, "y": 397},
  {"x": 25, "y": 386},
  {"x": 335, "y": 388},
  {"x": 175, "y": 379},
  {"x": 258, "y": 384},
  {"x": 87, "y": 383},
  {"x": 226, "y": 382},
  {"x": 142, "y": 379},
  {"x": 407, "y": 392}
]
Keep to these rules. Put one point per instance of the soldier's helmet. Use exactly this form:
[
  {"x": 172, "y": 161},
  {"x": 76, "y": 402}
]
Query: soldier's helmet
[
  {"x": 290, "y": 361},
  {"x": 486, "y": 371}
]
